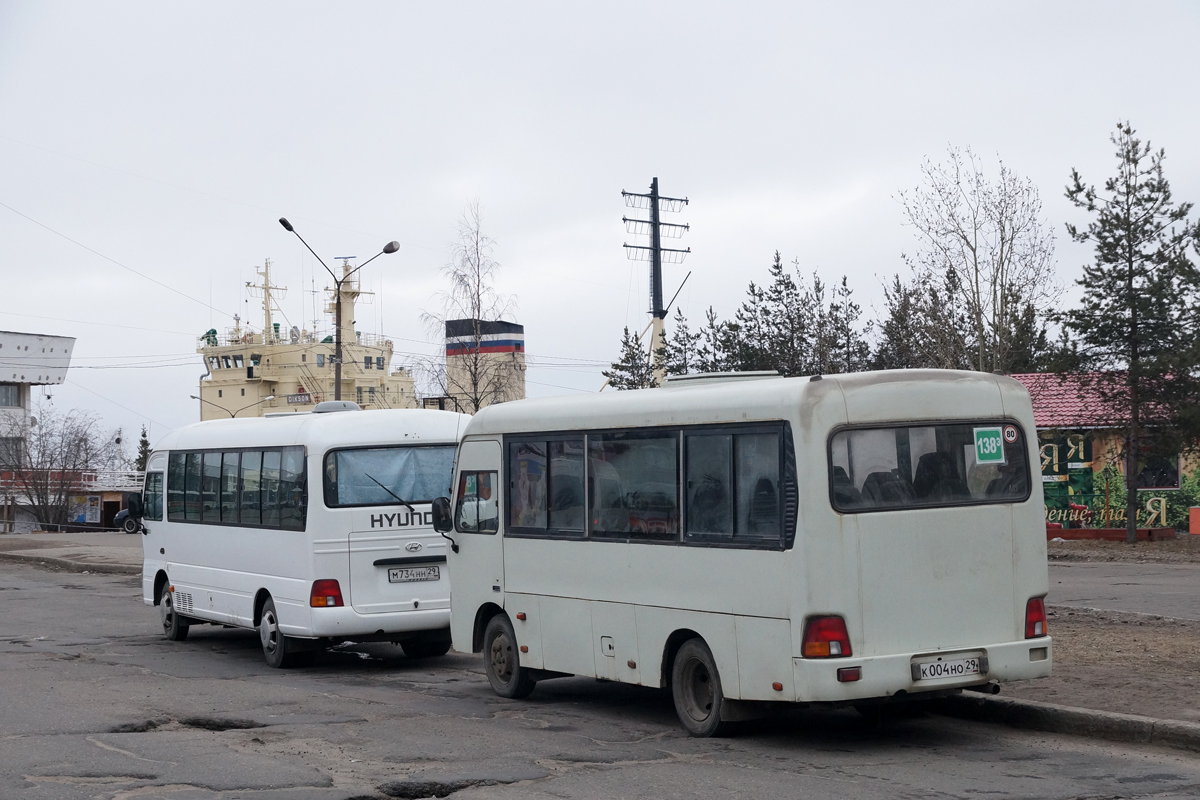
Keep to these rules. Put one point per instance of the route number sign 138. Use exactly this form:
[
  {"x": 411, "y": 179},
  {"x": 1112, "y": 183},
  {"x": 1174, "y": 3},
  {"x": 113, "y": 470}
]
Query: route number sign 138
[{"x": 989, "y": 446}]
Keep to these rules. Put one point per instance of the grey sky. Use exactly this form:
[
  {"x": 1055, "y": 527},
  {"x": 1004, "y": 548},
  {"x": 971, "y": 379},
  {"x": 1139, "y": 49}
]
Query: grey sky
[{"x": 170, "y": 137}]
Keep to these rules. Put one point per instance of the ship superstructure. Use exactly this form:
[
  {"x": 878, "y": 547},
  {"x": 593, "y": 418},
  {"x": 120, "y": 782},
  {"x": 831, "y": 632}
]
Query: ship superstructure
[{"x": 294, "y": 366}]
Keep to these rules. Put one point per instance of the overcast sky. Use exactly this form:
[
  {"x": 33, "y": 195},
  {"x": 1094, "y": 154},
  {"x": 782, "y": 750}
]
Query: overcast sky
[{"x": 151, "y": 147}]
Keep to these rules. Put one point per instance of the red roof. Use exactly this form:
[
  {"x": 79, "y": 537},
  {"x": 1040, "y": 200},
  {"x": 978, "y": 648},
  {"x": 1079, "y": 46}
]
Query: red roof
[{"x": 1067, "y": 401}]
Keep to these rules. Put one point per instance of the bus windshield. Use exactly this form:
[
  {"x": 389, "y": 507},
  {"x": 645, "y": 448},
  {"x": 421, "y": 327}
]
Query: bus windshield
[{"x": 414, "y": 474}]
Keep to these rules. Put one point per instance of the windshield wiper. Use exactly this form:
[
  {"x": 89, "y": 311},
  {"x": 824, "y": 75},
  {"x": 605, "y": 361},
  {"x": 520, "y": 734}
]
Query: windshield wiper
[{"x": 399, "y": 499}]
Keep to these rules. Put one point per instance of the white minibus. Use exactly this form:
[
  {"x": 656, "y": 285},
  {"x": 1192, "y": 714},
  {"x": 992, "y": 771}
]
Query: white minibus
[
  {"x": 747, "y": 539},
  {"x": 312, "y": 528}
]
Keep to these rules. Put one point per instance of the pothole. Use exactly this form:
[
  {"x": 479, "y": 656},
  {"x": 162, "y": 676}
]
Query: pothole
[
  {"x": 201, "y": 723},
  {"x": 415, "y": 790},
  {"x": 220, "y": 723}
]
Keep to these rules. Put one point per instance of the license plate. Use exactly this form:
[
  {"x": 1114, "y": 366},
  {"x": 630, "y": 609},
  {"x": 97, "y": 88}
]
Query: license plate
[
  {"x": 409, "y": 574},
  {"x": 957, "y": 668}
]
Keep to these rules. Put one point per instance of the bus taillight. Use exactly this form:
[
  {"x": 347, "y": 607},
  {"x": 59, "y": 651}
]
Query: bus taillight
[
  {"x": 1035, "y": 618},
  {"x": 325, "y": 594},
  {"x": 826, "y": 637}
]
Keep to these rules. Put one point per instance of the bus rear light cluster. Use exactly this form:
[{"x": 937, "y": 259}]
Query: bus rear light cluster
[
  {"x": 325, "y": 594},
  {"x": 1035, "y": 618},
  {"x": 826, "y": 637}
]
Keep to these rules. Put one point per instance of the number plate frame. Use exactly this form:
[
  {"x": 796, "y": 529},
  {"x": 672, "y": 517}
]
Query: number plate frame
[
  {"x": 949, "y": 667},
  {"x": 414, "y": 574}
]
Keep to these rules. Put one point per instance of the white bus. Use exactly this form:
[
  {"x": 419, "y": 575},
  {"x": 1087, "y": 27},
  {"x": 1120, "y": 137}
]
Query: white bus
[
  {"x": 312, "y": 528},
  {"x": 749, "y": 539}
]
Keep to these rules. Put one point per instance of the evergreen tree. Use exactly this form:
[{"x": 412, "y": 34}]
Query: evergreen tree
[
  {"x": 849, "y": 350},
  {"x": 143, "y": 452},
  {"x": 633, "y": 369},
  {"x": 1136, "y": 326},
  {"x": 902, "y": 340},
  {"x": 680, "y": 353},
  {"x": 716, "y": 342}
]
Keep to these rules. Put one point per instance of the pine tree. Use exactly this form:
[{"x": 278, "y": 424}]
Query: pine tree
[
  {"x": 143, "y": 452},
  {"x": 680, "y": 353},
  {"x": 633, "y": 369},
  {"x": 849, "y": 350},
  {"x": 1136, "y": 325},
  {"x": 716, "y": 342}
]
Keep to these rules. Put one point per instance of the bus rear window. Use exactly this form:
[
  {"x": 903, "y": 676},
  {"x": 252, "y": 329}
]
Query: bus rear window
[
  {"x": 376, "y": 476},
  {"x": 920, "y": 466}
]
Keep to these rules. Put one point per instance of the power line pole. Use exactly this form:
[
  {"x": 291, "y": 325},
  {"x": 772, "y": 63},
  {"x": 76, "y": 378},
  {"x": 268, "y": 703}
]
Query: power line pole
[{"x": 656, "y": 254}]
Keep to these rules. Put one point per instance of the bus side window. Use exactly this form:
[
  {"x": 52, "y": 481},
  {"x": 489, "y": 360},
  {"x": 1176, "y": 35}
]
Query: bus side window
[
  {"x": 710, "y": 484},
  {"x": 756, "y": 466},
  {"x": 153, "y": 503},
  {"x": 229, "y": 483},
  {"x": 191, "y": 504},
  {"x": 528, "y": 485},
  {"x": 291, "y": 489},
  {"x": 270, "y": 488},
  {"x": 210, "y": 488},
  {"x": 251, "y": 512},
  {"x": 477, "y": 510},
  {"x": 176, "y": 473}
]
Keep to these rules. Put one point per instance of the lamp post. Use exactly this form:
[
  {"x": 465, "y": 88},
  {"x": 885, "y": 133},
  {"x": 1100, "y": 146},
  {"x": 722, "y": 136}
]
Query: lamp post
[
  {"x": 233, "y": 414},
  {"x": 390, "y": 247}
]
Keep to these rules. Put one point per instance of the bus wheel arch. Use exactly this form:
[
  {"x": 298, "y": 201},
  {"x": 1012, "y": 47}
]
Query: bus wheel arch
[
  {"x": 482, "y": 617},
  {"x": 160, "y": 580},
  {"x": 260, "y": 600},
  {"x": 674, "y": 642}
]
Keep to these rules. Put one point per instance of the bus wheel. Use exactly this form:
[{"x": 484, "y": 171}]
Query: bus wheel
[
  {"x": 696, "y": 687},
  {"x": 174, "y": 627},
  {"x": 423, "y": 648},
  {"x": 277, "y": 650},
  {"x": 504, "y": 671}
]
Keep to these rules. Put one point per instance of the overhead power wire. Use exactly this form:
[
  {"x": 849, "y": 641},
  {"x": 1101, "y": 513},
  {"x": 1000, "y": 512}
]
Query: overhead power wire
[{"x": 114, "y": 261}]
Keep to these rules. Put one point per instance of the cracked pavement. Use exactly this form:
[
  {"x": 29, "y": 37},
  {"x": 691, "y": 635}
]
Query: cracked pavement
[{"x": 99, "y": 705}]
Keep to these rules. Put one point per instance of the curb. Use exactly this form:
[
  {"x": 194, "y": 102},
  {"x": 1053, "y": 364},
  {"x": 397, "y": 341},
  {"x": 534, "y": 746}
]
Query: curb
[
  {"x": 74, "y": 566},
  {"x": 1038, "y": 716}
]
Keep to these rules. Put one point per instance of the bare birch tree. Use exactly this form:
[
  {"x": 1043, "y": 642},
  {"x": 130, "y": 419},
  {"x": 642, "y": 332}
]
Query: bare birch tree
[
  {"x": 985, "y": 242},
  {"x": 47, "y": 460},
  {"x": 476, "y": 379}
]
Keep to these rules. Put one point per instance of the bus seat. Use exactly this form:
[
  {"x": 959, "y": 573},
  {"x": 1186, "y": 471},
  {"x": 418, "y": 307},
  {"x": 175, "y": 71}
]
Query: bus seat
[
  {"x": 937, "y": 478},
  {"x": 886, "y": 489},
  {"x": 844, "y": 493},
  {"x": 764, "y": 508}
]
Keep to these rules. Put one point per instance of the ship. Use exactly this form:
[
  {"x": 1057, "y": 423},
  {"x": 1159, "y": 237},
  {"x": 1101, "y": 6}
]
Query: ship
[{"x": 279, "y": 370}]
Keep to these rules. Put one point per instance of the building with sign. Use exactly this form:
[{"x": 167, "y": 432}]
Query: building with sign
[
  {"x": 485, "y": 363},
  {"x": 279, "y": 370},
  {"x": 1083, "y": 473}
]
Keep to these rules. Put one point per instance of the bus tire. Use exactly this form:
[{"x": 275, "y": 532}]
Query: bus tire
[
  {"x": 175, "y": 627},
  {"x": 696, "y": 689},
  {"x": 501, "y": 662},
  {"x": 278, "y": 650}
]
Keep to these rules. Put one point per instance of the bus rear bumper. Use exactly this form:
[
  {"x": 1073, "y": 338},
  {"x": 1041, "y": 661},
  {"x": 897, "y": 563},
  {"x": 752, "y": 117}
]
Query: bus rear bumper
[
  {"x": 346, "y": 622},
  {"x": 887, "y": 676}
]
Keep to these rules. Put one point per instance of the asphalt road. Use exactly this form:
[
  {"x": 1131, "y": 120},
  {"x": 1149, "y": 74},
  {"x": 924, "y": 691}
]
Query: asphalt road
[
  {"x": 1163, "y": 589},
  {"x": 98, "y": 705}
]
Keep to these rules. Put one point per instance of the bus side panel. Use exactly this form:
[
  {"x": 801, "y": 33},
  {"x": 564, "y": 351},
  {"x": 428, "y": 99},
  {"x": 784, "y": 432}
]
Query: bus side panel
[
  {"x": 764, "y": 649},
  {"x": 566, "y": 629},
  {"x": 528, "y": 630},
  {"x": 614, "y": 638},
  {"x": 655, "y": 626},
  {"x": 703, "y": 578}
]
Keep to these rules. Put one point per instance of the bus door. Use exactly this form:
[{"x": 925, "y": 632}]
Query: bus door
[{"x": 479, "y": 563}]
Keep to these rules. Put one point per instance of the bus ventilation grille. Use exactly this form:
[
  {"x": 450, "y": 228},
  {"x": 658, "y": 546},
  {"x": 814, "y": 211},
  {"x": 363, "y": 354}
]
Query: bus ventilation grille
[{"x": 183, "y": 602}]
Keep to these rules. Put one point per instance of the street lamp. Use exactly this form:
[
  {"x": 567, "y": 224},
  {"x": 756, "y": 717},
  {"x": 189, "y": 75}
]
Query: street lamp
[
  {"x": 233, "y": 414},
  {"x": 390, "y": 247}
]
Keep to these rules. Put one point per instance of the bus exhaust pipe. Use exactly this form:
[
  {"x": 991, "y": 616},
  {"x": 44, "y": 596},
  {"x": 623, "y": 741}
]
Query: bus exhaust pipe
[{"x": 986, "y": 688}]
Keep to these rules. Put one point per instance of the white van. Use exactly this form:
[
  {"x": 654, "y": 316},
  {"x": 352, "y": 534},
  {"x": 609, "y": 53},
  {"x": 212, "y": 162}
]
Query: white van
[
  {"x": 745, "y": 540},
  {"x": 312, "y": 528}
]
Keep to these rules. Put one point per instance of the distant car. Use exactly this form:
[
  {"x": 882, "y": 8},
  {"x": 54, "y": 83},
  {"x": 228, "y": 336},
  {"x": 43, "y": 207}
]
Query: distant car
[{"x": 122, "y": 521}]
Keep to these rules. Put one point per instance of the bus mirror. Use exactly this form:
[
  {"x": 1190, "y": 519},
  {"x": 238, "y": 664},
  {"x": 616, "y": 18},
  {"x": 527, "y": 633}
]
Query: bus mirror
[
  {"x": 136, "y": 511},
  {"x": 442, "y": 521}
]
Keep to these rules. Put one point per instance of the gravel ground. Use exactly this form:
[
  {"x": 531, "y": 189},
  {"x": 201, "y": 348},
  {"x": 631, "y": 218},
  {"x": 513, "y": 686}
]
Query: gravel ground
[
  {"x": 1179, "y": 551},
  {"x": 1113, "y": 661}
]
